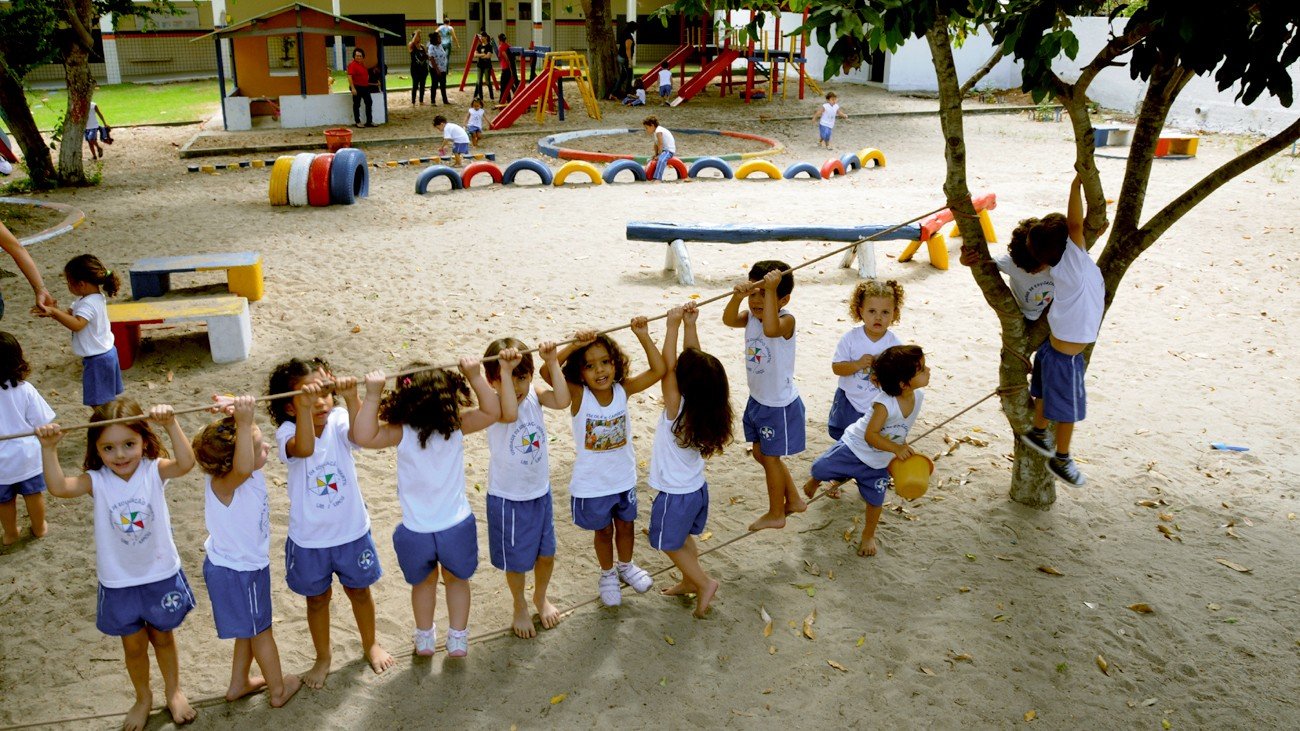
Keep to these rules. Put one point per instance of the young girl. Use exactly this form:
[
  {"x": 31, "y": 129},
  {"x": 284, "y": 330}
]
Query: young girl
[
  {"x": 825, "y": 118},
  {"x": 474, "y": 121},
  {"x": 603, "y": 482},
  {"x": 21, "y": 409},
  {"x": 695, "y": 424},
  {"x": 329, "y": 527},
  {"x": 868, "y": 446},
  {"x": 143, "y": 593},
  {"x": 426, "y": 418},
  {"x": 87, "y": 318},
  {"x": 521, "y": 526},
  {"x": 237, "y": 569}
]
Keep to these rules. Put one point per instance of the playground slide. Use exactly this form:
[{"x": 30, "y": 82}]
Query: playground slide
[
  {"x": 651, "y": 79},
  {"x": 523, "y": 100},
  {"x": 701, "y": 81}
]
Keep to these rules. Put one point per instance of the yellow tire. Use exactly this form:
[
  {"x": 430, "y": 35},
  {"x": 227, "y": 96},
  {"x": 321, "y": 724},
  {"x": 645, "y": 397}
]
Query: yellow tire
[
  {"x": 749, "y": 167},
  {"x": 577, "y": 166},
  {"x": 869, "y": 154},
  {"x": 279, "y": 190}
]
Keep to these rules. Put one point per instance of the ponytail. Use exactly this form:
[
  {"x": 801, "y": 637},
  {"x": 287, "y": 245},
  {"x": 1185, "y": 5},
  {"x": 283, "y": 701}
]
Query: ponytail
[{"x": 88, "y": 268}]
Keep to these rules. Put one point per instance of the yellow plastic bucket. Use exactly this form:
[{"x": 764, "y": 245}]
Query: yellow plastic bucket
[{"x": 911, "y": 475}]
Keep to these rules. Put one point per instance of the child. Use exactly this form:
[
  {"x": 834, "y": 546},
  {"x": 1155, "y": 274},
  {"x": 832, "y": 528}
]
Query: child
[
  {"x": 825, "y": 118},
  {"x": 1078, "y": 303},
  {"x": 87, "y": 318},
  {"x": 455, "y": 133},
  {"x": 143, "y": 593},
  {"x": 95, "y": 133},
  {"x": 21, "y": 409},
  {"x": 521, "y": 529},
  {"x": 329, "y": 528},
  {"x": 868, "y": 446},
  {"x": 636, "y": 99},
  {"x": 426, "y": 418},
  {"x": 665, "y": 84},
  {"x": 1030, "y": 282},
  {"x": 474, "y": 121},
  {"x": 603, "y": 482},
  {"x": 237, "y": 570},
  {"x": 665, "y": 145},
  {"x": 695, "y": 425},
  {"x": 774, "y": 415}
]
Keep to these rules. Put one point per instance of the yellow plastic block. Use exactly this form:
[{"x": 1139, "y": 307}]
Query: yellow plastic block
[
  {"x": 910, "y": 250},
  {"x": 936, "y": 248},
  {"x": 246, "y": 281}
]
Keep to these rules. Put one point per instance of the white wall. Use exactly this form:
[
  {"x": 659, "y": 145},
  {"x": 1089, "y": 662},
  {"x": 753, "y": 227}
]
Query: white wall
[{"x": 911, "y": 68}]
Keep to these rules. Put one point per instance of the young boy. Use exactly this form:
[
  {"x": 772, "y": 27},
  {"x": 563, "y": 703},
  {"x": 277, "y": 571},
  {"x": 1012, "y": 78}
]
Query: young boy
[
  {"x": 825, "y": 118},
  {"x": 456, "y": 134},
  {"x": 1078, "y": 304},
  {"x": 665, "y": 145},
  {"x": 1029, "y": 280},
  {"x": 95, "y": 133},
  {"x": 665, "y": 84},
  {"x": 774, "y": 415}
]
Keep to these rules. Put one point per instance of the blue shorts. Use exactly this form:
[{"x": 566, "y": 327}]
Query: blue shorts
[
  {"x": 675, "y": 516},
  {"x": 778, "y": 430},
  {"x": 473, "y": 131},
  {"x": 161, "y": 605},
  {"x": 661, "y": 164},
  {"x": 842, "y": 415},
  {"x": 1058, "y": 380},
  {"x": 310, "y": 571},
  {"x": 520, "y": 532},
  {"x": 420, "y": 554},
  {"x": 30, "y": 486},
  {"x": 241, "y": 600},
  {"x": 101, "y": 378},
  {"x": 665, "y": 89},
  {"x": 460, "y": 148},
  {"x": 840, "y": 463},
  {"x": 596, "y": 513},
  {"x": 824, "y": 132}
]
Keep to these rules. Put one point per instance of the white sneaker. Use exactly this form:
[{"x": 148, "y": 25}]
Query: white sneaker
[
  {"x": 610, "y": 594},
  {"x": 457, "y": 642},
  {"x": 635, "y": 577},
  {"x": 426, "y": 641}
]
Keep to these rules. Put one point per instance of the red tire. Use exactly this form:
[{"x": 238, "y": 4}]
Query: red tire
[
  {"x": 831, "y": 168},
  {"x": 475, "y": 169},
  {"x": 673, "y": 162},
  {"x": 318, "y": 180}
]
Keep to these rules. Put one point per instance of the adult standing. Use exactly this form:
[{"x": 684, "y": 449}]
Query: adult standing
[
  {"x": 359, "y": 85},
  {"x": 27, "y": 266},
  {"x": 626, "y": 57},
  {"x": 419, "y": 67},
  {"x": 484, "y": 52},
  {"x": 438, "y": 65},
  {"x": 507, "y": 58}
]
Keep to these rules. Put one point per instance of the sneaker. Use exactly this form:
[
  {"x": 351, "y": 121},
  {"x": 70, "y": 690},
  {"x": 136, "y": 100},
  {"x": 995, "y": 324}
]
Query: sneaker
[
  {"x": 635, "y": 577},
  {"x": 426, "y": 641},
  {"x": 1039, "y": 444},
  {"x": 610, "y": 594},
  {"x": 1066, "y": 470},
  {"x": 457, "y": 642}
]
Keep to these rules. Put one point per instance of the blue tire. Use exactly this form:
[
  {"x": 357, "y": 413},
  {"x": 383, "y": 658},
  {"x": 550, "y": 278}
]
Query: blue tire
[
  {"x": 349, "y": 177},
  {"x": 618, "y": 166},
  {"x": 711, "y": 163},
  {"x": 527, "y": 163},
  {"x": 851, "y": 162},
  {"x": 802, "y": 167},
  {"x": 433, "y": 171}
]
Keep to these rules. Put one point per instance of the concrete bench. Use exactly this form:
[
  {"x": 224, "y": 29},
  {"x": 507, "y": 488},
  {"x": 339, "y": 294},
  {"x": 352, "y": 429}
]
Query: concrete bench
[
  {"x": 1176, "y": 145},
  {"x": 1112, "y": 135},
  {"x": 153, "y": 277},
  {"x": 230, "y": 332}
]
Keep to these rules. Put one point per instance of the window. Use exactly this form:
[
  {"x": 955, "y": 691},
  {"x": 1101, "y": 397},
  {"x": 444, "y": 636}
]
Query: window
[
  {"x": 546, "y": 9},
  {"x": 525, "y": 11},
  {"x": 282, "y": 53},
  {"x": 475, "y": 11},
  {"x": 494, "y": 11}
]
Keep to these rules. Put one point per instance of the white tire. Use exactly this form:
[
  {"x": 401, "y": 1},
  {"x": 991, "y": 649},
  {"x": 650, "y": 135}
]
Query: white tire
[{"x": 298, "y": 175}]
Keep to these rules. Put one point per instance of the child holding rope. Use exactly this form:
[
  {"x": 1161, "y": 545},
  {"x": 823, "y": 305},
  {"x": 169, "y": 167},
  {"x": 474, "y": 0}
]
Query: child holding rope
[
  {"x": 521, "y": 527},
  {"x": 237, "y": 569},
  {"x": 143, "y": 593},
  {"x": 329, "y": 527},
  {"x": 87, "y": 318},
  {"x": 774, "y": 414},
  {"x": 603, "y": 482},
  {"x": 864, "y": 452},
  {"x": 694, "y": 425},
  {"x": 21, "y": 409},
  {"x": 426, "y": 418}
]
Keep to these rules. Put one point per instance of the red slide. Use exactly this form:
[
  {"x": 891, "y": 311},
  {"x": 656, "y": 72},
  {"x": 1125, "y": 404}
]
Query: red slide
[
  {"x": 522, "y": 101},
  {"x": 679, "y": 56},
  {"x": 701, "y": 81}
]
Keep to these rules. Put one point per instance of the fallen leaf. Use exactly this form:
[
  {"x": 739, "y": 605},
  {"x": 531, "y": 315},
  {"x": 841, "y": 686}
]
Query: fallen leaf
[
  {"x": 1166, "y": 517},
  {"x": 808, "y": 624},
  {"x": 767, "y": 621},
  {"x": 1103, "y": 665},
  {"x": 669, "y": 640},
  {"x": 964, "y": 657},
  {"x": 706, "y": 535},
  {"x": 1164, "y": 724},
  {"x": 771, "y": 649},
  {"x": 861, "y": 640},
  {"x": 170, "y": 375},
  {"x": 970, "y": 557},
  {"x": 1002, "y": 558},
  {"x": 1030, "y": 715},
  {"x": 1147, "y": 503},
  {"x": 557, "y": 699},
  {"x": 356, "y": 329},
  {"x": 830, "y": 574},
  {"x": 837, "y": 666},
  {"x": 926, "y": 670},
  {"x": 812, "y": 568},
  {"x": 1141, "y": 608},
  {"x": 963, "y": 589},
  {"x": 663, "y": 682},
  {"x": 1233, "y": 534},
  {"x": 1213, "y": 607},
  {"x": 1000, "y": 618},
  {"x": 1233, "y": 566},
  {"x": 1050, "y": 570}
]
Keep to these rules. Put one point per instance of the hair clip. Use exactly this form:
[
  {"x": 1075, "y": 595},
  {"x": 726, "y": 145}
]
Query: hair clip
[
  {"x": 406, "y": 382},
  {"x": 108, "y": 272}
]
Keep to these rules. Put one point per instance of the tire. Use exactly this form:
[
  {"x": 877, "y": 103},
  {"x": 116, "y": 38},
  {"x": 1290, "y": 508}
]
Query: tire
[
  {"x": 475, "y": 169},
  {"x": 871, "y": 154},
  {"x": 318, "y": 180},
  {"x": 298, "y": 173},
  {"x": 577, "y": 166},
  {"x": 279, "y": 188},
  {"x": 711, "y": 163},
  {"x": 673, "y": 162},
  {"x": 850, "y": 162},
  {"x": 831, "y": 168},
  {"x": 437, "y": 171},
  {"x": 614, "y": 168},
  {"x": 794, "y": 170},
  {"x": 528, "y": 163},
  {"x": 349, "y": 176},
  {"x": 750, "y": 167}
]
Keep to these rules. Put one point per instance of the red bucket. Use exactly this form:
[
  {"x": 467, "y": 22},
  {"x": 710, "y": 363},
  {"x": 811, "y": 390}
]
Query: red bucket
[{"x": 338, "y": 138}]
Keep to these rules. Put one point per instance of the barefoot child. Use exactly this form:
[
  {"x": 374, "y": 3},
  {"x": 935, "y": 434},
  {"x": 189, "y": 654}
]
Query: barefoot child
[
  {"x": 695, "y": 425},
  {"x": 825, "y": 119},
  {"x": 426, "y": 418},
  {"x": 454, "y": 133},
  {"x": 474, "y": 121},
  {"x": 329, "y": 527},
  {"x": 603, "y": 482},
  {"x": 143, "y": 593},
  {"x": 87, "y": 318},
  {"x": 774, "y": 415},
  {"x": 21, "y": 410},
  {"x": 237, "y": 570},
  {"x": 868, "y": 446},
  {"x": 521, "y": 527}
]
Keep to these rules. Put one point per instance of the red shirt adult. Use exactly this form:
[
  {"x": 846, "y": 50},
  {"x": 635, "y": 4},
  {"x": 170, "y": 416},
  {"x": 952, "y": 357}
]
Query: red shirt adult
[
  {"x": 503, "y": 53},
  {"x": 358, "y": 74}
]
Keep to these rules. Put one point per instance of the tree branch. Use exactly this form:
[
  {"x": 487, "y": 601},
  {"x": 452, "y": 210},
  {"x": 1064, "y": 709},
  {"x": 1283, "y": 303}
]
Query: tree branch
[
  {"x": 79, "y": 31},
  {"x": 982, "y": 72},
  {"x": 1116, "y": 47}
]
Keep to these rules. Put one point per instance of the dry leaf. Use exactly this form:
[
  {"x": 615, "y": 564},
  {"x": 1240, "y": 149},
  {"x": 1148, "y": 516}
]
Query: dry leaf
[
  {"x": 808, "y": 624},
  {"x": 1141, "y": 608},
  {"x": 767, "y": 621},
  {"x": 170, "y": 375},
  {"x": 706, "y": 535},
  {"x": 963, "y": 589},
  {"x": 1233, "y": 534},
  {"x": 830, "y": 574},
  {"x": 861, "y": 640},
  {"x": 926, "y": 670},
  {"x": 1030, "y": 715},
  {"x": 669, "y": 640},
  {"x": 1000, "y": 618},
  {"x": 837, "y": 666},
  {"x": 812, "y": 568},
  {"x": 1147, "y": 503},
  {"x": 1233, "y": 566},
  {"x": 771, "y": 649},
  {"x": 1103, "y": 665},
  {"x": 1213, "y": 607},
  {"x": 1166, "y": 517},
  {"x": 356, "y": 329},
  {"x": 1050, "y": 570},
  {"x": 556, "y": 699}
]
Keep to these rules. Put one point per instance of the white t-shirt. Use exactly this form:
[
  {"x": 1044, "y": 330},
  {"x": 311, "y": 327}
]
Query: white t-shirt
[
  {"x": 895, "y": 429},
  {"x": 858, "y": 386},
  {"x": 640, "y": 95},
  {"x": 431, "y": 481},
  {"x": 1079, "y": 299},
  {"x": 519, "y": 468},
  {"x": 476, "y": 118},
  {"x": 829, "y": 112},
  {"x": 455, "y": 133},
  {"x": 133, "y": 528},
  {"x": 769, "y": 364},
  {"x": 605, "y": 463},
  {"x": 665, "y": 77},
  {"x": 239, "y": 534},
  {"x": 96, "y": 337},
  {"x": 667, "y": 143},
  {"x": 21, "y": 409},
  {"x": 1033, "y": 292},
  {"x": 92, "y": 120},
  {"x": 325, "y": 504},
  {"x": 674, "y": 469}
]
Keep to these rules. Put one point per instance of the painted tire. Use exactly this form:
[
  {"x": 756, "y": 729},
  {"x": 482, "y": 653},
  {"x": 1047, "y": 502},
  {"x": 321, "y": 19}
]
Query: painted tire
[
  {"x": 318, "y": 180},
  {"x": 528, "y": 163},
  {"x": 349, "y": 176},
  {"x": 577, "y": 166},
  {"x": 279, "y": 190},
  {"x": 437, "y": 171},
  {"x": 711, "y": 163},
  {"x": 673, "y": 162},
  {"x": 475, "y": 169},
  {"x": 298, "y": 173},
  {"x": 869, "y": 154},
  {"x": 794, "y": 170},
  {"x": 749, "y": 167},
  {"x": 614, "y": 168},
  {"x": 831, "y": 168},
  {"x": 850, "y": 162}
]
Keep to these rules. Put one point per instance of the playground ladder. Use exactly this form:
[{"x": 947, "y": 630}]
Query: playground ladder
[{"x": 567, "y": 64}]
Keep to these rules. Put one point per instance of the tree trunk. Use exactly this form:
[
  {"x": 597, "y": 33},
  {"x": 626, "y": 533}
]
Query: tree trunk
[
  {"x": 601, "y": 46},
  {"x": 36, "y": 154},
  {"x": 81, "y": 87}
]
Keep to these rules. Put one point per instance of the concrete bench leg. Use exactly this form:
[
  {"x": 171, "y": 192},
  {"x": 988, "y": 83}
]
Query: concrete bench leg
[
  {"x": 149, "y": 284},
  {"x": 230, "y": 338},
  {"x": 678, "y": 259},
  {"x": 866, "y": 260},
  {"x": 246, "y": 281}
]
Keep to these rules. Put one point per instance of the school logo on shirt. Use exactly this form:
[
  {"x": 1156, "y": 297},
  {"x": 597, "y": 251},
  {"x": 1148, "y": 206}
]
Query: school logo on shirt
[
  {"x": 526, "y": 444},
  {"x": 328, "y": 487},
  {"x": 864, "y": 375},
  {"x": 1040, "y": 294},
  {"x": 605, "y": 435},
  {"x": 171, "y": 601},
  {"x": 133, "y": 520},
  {"x": 757, "y": 357}
]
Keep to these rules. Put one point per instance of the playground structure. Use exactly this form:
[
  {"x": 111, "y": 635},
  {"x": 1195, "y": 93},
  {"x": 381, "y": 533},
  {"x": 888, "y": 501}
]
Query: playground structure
[
  {"x": 528, "y": 58},
  {"x": 546, "y": 90}
]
